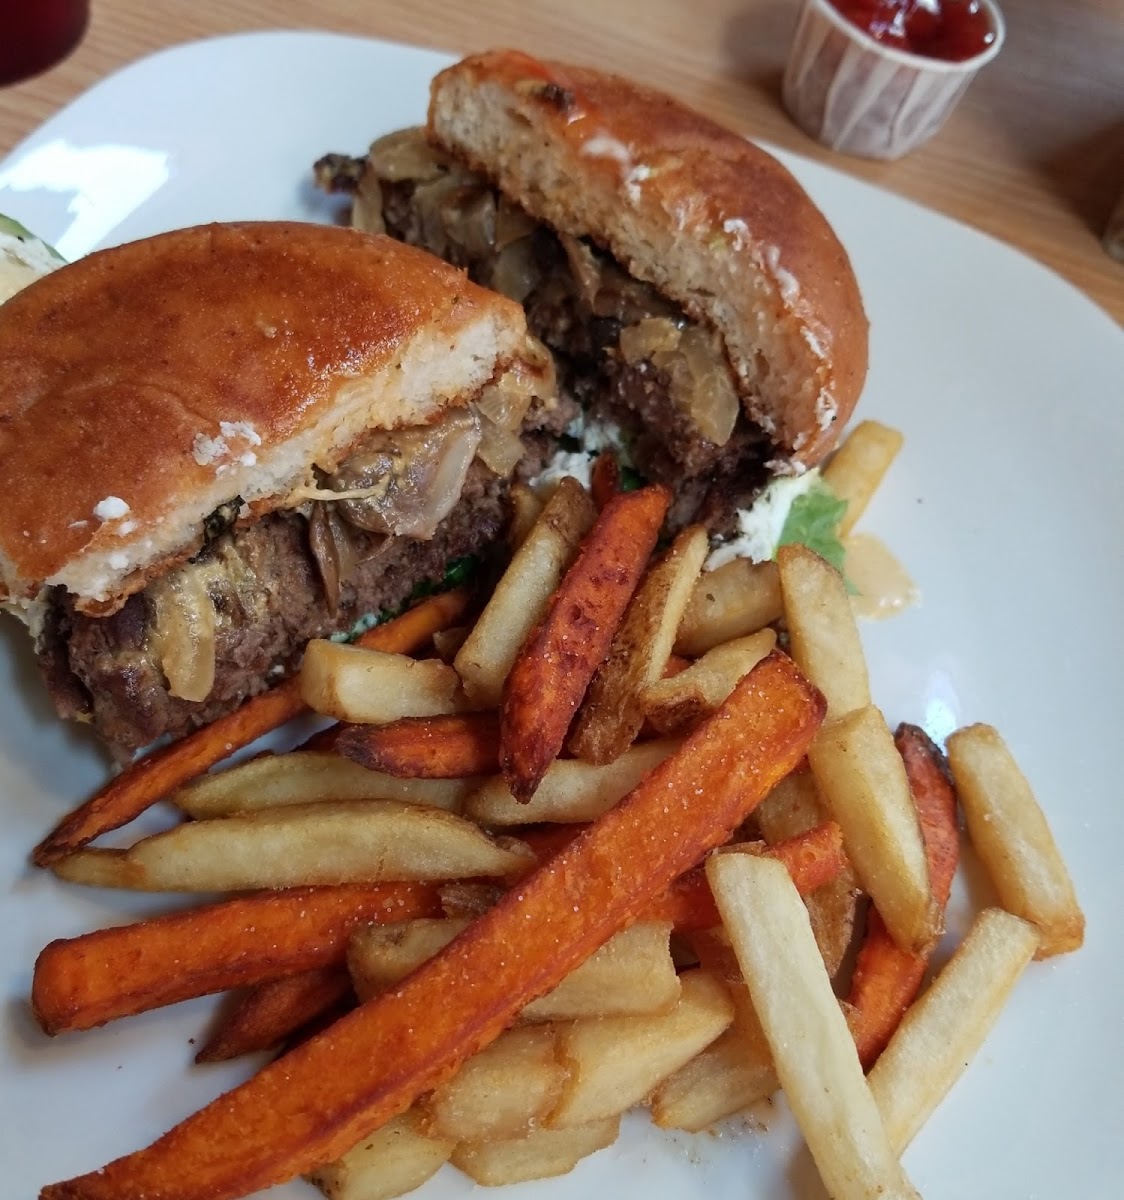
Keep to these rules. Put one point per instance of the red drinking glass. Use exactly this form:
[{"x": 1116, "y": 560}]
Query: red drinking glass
[{"x": 36, "y": 34}]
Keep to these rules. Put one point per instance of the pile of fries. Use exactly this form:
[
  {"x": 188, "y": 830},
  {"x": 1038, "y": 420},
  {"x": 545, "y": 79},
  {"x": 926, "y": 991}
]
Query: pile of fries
[{"x": 606, "y": 847}]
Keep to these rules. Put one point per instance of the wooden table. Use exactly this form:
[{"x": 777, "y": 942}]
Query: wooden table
[{"x": 1034, "y": 155}]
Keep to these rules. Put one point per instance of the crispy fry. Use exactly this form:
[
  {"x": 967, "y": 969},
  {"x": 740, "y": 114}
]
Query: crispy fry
[
  {"x": 612, "y": 713},
  {"x": 856, "y": 469},
  {"x": 86, "y": 981},
  {"x": 452, "y": 747},
  {"x": 346, "y": 841},
  {"x": 274, "y": 1010},
  {"x": 812, "y": 1050},
  {"x": 139, "y": 786},
  {"x": 571, "y": 790},
  {"x": 604, "y": 478},
  {"x": 733, "y": 601},
  {"x": 522, "y": 594},
  {"x": 539, "y": 1154},
  {"x": 944, "y": 1030},
  {"x": 321, "y": 1098},
  {"x": 886, "y": 978},
  {"x": 525, "y": 509},
  {"x": 272, "y": 780},
  {"x": 558, "y": 659},
  {"x": 1012, "y": 837}
]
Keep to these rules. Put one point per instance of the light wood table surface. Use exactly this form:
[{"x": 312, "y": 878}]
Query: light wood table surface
[{"x": 1034, "y": 155}]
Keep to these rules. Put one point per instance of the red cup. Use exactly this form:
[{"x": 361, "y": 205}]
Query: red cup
[{"x": 36, "y": 34}]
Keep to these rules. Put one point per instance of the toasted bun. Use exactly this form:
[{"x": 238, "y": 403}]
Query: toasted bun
[
  {"x": 144, "y": 386},
  {"x": 710, "y": 220}
]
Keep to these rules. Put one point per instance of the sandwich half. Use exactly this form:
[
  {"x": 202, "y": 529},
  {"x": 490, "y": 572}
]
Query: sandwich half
[
  {"x": 220, "y": 442},
  {"x": 700, "y": 308}
]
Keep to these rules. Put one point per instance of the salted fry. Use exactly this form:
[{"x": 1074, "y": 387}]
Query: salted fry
[
  {"x": 811, "y": 1046},
  {"x": 502, "y": 1091},
  {"x": 862, "y": 781},
  {"x": 856, "y": 469},
  {"x": 274, "y": 1011},
  {"x": 1012, "y": 838},
  {"x": 139, "y": 786},
  {"x": 421, "y": 748},
  {"x": 735, "y": 600},
  {"x": 886, "y": 978},
  {"x": 822, "y": 631},
  {"x": 332, "y": 1090},
  {"x": 631, "y": 973},
  {"x": 520, "y": 598},
  {"x": 556, "y": 662},
  {"x": 571, "y": 790},
  {"x": 614, "y": 1062},
  {"x": 272, "y": 780},
  {"x": 612, "y": 713},
  {"x": 393, "y": 1160},
  {"x": 945, "y": 1029},
  {"x": 678, "y": 702},
  {"x": 539, "y": 1154},
  {"x": 346, "y": 841},
  {"x": 730, "y": 1074},
  {"x": 373, "y": 687},
  {"x": 85, "y": 981},
  {"x": 526, "y": 506}
]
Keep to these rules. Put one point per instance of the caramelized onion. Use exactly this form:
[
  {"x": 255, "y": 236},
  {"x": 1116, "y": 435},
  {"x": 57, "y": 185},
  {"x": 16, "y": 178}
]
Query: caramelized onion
[
  {"x": 366, "y": 205},
  {"x": 405, "y": 155},
  {"x": 583, "y": 266},
  {"x": 701, "y": 383},
  {"x": 184, "y": 632},
  {"x": 647, "y": 337},
  {"x": 516, "y": 271},
  {"x": 468, "y": 216},
  {"x": 332, "y": 548},
  {"x": 512, "y": 223},
  {"x": 418, "y": 475},
  {"x": 500, "y": 450}
]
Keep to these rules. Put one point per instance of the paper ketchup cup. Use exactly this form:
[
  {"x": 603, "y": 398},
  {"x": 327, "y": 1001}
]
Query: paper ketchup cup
[{"x": 862, "y": 96}]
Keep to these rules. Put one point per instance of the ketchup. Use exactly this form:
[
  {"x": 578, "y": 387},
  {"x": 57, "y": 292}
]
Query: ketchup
[
  {"x": 952, "y": 30},
  {"x": 35, "y": 34}
]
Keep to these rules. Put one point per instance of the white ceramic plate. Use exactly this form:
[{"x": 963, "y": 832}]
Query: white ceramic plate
[{"x": 1006, "y": 505}]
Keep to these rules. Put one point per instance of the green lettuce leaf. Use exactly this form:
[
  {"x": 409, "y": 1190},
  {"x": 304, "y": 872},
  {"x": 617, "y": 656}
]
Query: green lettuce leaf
[{"x": 813, "y": 521}]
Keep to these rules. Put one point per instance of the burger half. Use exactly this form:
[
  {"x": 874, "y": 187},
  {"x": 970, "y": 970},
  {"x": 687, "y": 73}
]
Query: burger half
[
  {"x": 221, "y": 442},
  {"x": 699, "y": 306}
]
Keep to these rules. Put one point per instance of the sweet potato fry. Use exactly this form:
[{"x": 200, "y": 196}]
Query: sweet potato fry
[
  {"x": 886, "y": 979},
  {"x": 317, "y": 1101},
  {"x": 139, "y": 786},
  {"x": 274, "y": 1010},
  {"x": 453, "y": 747},
  {"x": 558, "y": 659},
  {"x": 86, "y": 981},
  {"x": 604, "y": 478}
]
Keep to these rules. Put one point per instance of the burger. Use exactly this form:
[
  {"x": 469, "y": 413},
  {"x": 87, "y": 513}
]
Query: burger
[
  {"x": 221, "y": 442},
  {"x": 703, "y": 316}
]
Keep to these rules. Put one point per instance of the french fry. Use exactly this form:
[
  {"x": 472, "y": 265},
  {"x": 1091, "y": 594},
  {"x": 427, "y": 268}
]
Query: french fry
[
  {"x": 676, "y": 703},
  {"x": 1010, "y": 834},
  {"x": 604, "y": 478},
  {"x": 945, "y": 1029},
  {"x": 792, "y": 808},
  {"x": 324, "y": 1096},
  {"x": 521, "y": 596},
  {"x": 863, "y": 783},
  {"x": 612, "y": 713},
  {"x": 886, "y": 978},
  {"x": 539, "y": 1154},
  {"x": 731, "y": 602},
  {"x": 614, "y": 1062},
  {"x": 452, "y": 747},
  {"x": 631, "y": 973},
  {"x": 448, "y": 641},
  {"x": 373, "y": 687},
  {"x": 556, "y": 662},
  {"x": 571, "y": 790},
  {"x": 822, "y": 632},
  {"x": 526, "y": 506},
  {"x": 346, "y": 841},
  {"x": 730, "y": 1074},
  {"x": 273, "y": 780},
  {"x": 856, "y": 469},
  {"x": 140, "y": 785},
  {"x": 393, "y": 1160},
  {"x": 500, "y": 1092},
  {"x": 812, "y": 1049},
  {"x": 274, "y": 1010},
  {"x": 85, "y": 981}
]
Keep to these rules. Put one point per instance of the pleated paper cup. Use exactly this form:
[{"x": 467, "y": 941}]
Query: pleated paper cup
[{"x": 854, "y": 94}]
